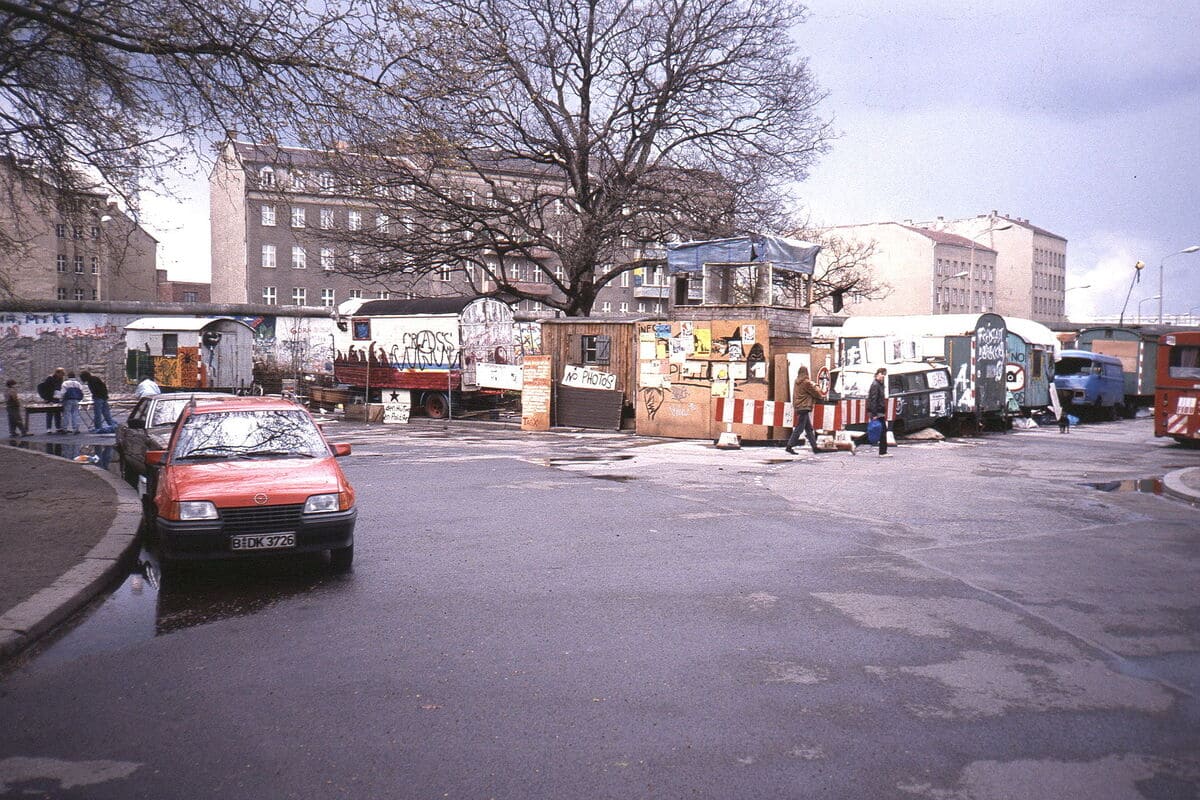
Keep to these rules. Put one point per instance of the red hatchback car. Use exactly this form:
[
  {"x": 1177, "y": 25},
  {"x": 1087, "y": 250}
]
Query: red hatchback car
[{"x": 248, "y": 476}]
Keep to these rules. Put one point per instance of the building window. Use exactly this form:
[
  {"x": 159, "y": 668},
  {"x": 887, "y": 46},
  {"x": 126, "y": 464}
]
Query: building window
[
  {"x": 327, "y": 258},
  {"x": 62, "y": 293},
  {"x": 624, "y": 308},
  {"x": 269, "y": 295},
  {"x": 95, "y": 231},
  {"x": 355, "y": 220},
  {"x": 79, "y": 294},
  {"x": 268, "y": 215},
  {"x": 381, "y": 222},
  {"x": 355, "y": 294},
  {"x": 266, "y": 177},
  {"x": 327, "y": 297},
  {"x": 641, "y": 308},
  {"x": 326, "y": 181},
  {"x": 445, "y": 273},
  {"x": 559, "y": 274},
  {"x": 77, "y": 232},
  {"x": 326, "y": 218},
  {"x": 79, "y": 264},
  {"x": 95, "y": 294},
  {"x": 605, "y": 307},
  {"x": 61, "y": 231},
  {"x": 625, "y": 279},
  {"x": 190, "y": 297},
  {"x": 299, "y": 258},
  {"x": 62, "y": 264},
  {"x": 383, "y": 294},
  {"x": 355, "y": 259},
  {"x": 407, "y": 224},
  {"x": 595, "y": 349},
  {"x": 268, "y": 256},
  {"x": 514, "y": 272},
  {"x": 298, "y": 217},
  {"x": 95, "y": 265},
  {"x": 298, "y": 296}
]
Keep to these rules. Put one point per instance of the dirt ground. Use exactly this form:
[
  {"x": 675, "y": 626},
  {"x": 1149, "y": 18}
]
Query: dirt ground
[{"x": 52, "y": 512}]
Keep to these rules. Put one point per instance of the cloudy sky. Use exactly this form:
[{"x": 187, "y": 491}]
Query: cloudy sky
[{"x": 1082, "y": 117}]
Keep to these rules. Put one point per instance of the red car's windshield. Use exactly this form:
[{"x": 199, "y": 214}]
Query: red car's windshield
[{"x": 247, "y": 434}]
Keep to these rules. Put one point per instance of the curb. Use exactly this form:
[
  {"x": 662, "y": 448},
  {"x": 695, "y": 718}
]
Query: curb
[
  {"x": 23, "y": 624},
  {"x": 1173, "y": 484}
]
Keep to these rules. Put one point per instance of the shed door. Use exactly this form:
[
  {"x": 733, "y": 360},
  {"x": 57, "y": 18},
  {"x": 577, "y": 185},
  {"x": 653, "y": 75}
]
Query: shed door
[{"x": 588, "y": 408}]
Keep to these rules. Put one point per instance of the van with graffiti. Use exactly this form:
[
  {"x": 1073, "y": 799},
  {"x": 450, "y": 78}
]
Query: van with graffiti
[
  {"x": 972, "y": 346},
  {"x": 430, "y": 347},
  {"x": 921, "y": 390}
]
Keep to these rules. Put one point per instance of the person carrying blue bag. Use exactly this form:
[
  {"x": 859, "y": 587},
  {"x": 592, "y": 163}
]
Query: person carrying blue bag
[{"x": 877, "y": 411}]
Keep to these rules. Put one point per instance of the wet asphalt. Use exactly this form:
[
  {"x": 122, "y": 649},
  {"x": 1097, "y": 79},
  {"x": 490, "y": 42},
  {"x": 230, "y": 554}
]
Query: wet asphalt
[{"x": 594, "y": 616}]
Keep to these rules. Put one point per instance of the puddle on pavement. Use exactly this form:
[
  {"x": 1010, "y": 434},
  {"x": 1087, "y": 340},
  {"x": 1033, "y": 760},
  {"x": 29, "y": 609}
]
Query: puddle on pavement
[
  {"x": 615, "y": 478},
  {"x": 1140, "y": 485},
  {"x": 102, "y": 454},
  {"x": 146, "y": 605}
]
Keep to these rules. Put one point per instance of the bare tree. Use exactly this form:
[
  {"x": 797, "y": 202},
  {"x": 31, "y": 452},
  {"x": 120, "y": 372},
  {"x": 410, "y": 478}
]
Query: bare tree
[
  {"x": 105, "y": 95},
  {"x": 533, "y": 144},
  {"x": 844, "y": 268}
]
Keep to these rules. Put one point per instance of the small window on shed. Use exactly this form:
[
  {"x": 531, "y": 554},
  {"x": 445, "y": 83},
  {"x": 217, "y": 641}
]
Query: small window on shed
[
  {"x": 595, "y": 349},
  {"x": 362, "y": 329},
  {"x": 170, "y": 345}
]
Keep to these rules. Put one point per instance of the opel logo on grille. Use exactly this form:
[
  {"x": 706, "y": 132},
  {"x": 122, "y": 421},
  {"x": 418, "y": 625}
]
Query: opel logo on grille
[{"x": 260, "y": 499}]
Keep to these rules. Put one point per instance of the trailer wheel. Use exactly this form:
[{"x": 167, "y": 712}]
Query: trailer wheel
[{"x": 437, "y": 405}]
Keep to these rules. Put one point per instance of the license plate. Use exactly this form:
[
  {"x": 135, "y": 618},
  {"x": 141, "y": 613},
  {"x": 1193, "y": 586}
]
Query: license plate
[{"x": 262, "y": 541}]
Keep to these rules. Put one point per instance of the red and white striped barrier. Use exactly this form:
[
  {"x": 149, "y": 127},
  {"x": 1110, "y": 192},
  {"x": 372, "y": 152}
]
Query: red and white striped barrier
[{"x": 771, "y": 413}]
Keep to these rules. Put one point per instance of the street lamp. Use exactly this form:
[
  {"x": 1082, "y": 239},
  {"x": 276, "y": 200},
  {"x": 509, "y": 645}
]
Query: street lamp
[
  {"x": 1194, "y": 248},
  {"x": 1145, "y": 300},
  {"x": 937, "y": 288},
  {"x": 971, "y": 282}
]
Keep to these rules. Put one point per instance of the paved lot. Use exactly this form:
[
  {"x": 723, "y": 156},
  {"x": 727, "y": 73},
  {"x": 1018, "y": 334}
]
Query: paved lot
[{"x": 594, "y": 616}]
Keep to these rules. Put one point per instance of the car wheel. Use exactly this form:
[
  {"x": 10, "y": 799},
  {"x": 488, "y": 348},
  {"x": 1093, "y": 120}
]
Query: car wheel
[
  {"x": 341, "y": 558},
  {"x": 437, "y": 406}
]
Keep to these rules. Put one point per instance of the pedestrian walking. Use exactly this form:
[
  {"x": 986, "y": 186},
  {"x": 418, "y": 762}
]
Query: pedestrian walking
[
  {"x": 804, "y": 395},
  {"x": 147, "y": 387},
  {"x": 102, "y": 419},
  {"x": 50, "y": 390},
  {"x": 877, "y": 409},
  {"x": 72, "y": 394},
  {"x": 12, "y": 404}
]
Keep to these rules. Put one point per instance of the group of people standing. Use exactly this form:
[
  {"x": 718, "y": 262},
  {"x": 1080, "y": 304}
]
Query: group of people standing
[
  {"x": 805, "y": 394},
  {"x": 62, "y": 387}
]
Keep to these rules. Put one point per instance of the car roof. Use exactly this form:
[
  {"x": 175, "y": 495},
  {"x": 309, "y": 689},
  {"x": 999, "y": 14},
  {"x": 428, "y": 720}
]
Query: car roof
[
  {"x": 247, "y": 404},
  {"x": 190, "y": 395}
]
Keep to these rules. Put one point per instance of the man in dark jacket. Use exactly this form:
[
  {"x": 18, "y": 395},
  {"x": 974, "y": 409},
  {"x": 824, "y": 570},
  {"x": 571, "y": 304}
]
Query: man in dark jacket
[
  {"x": 877, "y": 408},
  {"x": 47, "y": 390},
  {"x": 101, "y": 413}
]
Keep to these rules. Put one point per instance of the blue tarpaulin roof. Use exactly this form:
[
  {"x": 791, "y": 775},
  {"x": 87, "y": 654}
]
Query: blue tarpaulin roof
[{"x": 787, "y": 254}]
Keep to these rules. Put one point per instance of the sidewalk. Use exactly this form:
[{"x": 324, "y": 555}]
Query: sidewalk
[{"x": 66, "y": 527}]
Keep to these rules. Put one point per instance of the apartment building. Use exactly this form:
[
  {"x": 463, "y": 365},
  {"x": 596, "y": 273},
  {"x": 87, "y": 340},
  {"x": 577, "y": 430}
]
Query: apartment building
[
  {"x": 1031, "y": 264},
  {"x": 60, "y": 245},
  {"x": 279, "y": 220},
  {"x": 928, "y": 271}
]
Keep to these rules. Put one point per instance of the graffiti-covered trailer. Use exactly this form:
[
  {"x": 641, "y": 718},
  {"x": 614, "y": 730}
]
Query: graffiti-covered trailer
[
  {"x": 1029, "y": 371},
  {"x": 1177, "y": 396},
  {"x": 191, "y": 352},
  {"x": 973, "y": 346},
  {"x": 429, "y": 346}
]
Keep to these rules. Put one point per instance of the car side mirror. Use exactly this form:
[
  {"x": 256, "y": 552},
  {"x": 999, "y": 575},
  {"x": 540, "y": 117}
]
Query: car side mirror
[
  {"x": 136, "y": 424},
  {"x": 156, "y": 458},
  {"x": 341, "y": 449}
]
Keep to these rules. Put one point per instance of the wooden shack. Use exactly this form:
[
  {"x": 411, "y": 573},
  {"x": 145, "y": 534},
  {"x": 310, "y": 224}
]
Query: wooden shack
[{"x": 595, "y": 370}]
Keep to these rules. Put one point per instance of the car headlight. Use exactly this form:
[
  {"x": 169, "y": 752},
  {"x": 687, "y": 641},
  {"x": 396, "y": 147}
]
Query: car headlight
[
  {"x": 322, "y": 503},
  {"x": 197, "y": 509}
]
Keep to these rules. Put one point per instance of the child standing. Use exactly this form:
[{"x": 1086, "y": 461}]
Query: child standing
[{"x": 12, "y": 402}]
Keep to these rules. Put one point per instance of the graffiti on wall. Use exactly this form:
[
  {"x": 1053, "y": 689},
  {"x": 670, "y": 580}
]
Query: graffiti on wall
[
  {"x": 683, "y": 365},
  {"x": 32, "y": 326}
]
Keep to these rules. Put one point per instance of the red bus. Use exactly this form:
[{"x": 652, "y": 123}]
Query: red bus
[{"x": 1177, "y": 387}]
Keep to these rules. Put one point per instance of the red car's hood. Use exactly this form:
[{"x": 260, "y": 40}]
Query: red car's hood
[{"x": 236, "y": 483}]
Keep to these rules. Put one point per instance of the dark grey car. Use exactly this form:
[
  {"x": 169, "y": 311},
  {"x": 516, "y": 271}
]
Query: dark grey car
[{"x": 149, "y": 427}]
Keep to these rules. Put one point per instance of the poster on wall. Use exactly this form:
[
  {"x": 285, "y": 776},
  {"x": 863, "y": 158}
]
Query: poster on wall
[{"x": 535, "y": 393}]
